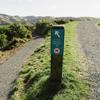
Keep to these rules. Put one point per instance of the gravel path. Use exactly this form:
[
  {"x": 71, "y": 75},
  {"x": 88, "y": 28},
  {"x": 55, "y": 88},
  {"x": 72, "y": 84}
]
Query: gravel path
[
  {"x": 10, "y": 69},
  {"x": 89, "y": 37}
]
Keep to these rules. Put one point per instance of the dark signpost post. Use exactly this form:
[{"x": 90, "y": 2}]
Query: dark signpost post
[{"x": 57, "y": 48}]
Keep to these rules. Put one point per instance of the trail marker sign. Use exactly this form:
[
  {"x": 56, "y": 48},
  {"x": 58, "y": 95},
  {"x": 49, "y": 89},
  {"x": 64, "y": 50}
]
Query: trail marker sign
[
  {"x": 57, "y": 48},
  {"x": 57, "y": 39}
]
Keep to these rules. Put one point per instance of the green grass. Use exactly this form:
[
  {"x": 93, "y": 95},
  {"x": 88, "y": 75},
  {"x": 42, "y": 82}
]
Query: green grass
[
  {"x": 33, "y": 81},
  {"x": 98, "y": 25}
]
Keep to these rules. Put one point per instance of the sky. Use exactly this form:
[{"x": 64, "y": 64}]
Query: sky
[{"x": 57, "y": 8}]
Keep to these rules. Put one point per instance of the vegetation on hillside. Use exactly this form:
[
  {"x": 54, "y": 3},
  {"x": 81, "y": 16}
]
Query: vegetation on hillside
[
  {"x": 42, "y": 27},
  {"x": 33, "y": 81},
  {"x": 7, "y": 19},
  {"x": 10, "y": 35},
  {"x": 98, "y": 24},
  {"x": 61, "y": 21}
]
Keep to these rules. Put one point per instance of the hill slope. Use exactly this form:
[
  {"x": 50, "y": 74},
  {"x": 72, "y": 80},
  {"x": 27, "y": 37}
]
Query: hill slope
[{"x": 7, "y": 19}]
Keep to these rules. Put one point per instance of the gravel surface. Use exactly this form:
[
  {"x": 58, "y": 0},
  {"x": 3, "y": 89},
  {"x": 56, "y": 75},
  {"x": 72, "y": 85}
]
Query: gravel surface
[
  {"x": 10, "y": 69},
  {"x": 89, "y": 37}
]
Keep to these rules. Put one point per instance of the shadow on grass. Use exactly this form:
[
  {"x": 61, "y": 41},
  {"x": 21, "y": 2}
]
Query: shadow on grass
[
  {"x": 29, "y": 82},
  {"x": 48, "y": 91},
  {"x": 12, "y": 90}
]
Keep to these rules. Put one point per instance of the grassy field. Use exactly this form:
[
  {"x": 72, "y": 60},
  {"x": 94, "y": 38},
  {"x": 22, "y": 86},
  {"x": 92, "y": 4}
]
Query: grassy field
[
  {"x": 33, "y": 81},
  {"x": 98, "y": 25}
]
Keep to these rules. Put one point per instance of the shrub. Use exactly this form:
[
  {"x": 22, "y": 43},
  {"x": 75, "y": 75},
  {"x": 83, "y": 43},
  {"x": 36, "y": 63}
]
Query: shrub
[
  {"x": 3, "y": 40},
  {"x": 42, "y": 28},
  {"x": 12, "y": 34},
  {"x": 3, "y": 29},
  {"x": 19, "y": 31},
  {"x": 60, "y": 21},
  {"x": 30, "y": 28},
  {"x": 99, "y": 24}
]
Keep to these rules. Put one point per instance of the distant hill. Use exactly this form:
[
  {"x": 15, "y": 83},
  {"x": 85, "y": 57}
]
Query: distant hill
[
  {"x": 7, "y": 19},
  {"x": 34, "y": 19},
  {"x": 29, "y": 20}
]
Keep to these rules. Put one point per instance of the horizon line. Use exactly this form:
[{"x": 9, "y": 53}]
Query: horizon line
[{"x": 47, "y": 16}]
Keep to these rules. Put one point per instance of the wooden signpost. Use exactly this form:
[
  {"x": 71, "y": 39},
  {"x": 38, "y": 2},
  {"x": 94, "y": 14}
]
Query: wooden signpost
[{"x": 57, "y": 48}]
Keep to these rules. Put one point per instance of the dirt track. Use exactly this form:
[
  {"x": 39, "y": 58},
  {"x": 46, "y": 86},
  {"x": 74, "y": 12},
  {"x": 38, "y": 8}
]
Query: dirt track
[
  {"x": 89, "y": 37},
  {"x": 9, "y": 69}
]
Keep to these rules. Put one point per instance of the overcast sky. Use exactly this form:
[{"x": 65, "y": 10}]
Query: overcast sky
[{"x": 74, "y": 8}]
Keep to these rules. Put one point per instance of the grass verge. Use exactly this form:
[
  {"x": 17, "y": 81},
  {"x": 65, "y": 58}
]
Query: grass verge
[
  {"x": 98, "y": 25},
  {"x": 33, "y": 81}
]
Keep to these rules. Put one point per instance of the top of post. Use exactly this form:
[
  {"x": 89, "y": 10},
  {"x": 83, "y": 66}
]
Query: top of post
[{"x": 58, "y": 26}]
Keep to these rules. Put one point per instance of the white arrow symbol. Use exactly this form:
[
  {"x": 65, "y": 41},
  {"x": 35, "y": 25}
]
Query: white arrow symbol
[{"x": 57, "y": 34}]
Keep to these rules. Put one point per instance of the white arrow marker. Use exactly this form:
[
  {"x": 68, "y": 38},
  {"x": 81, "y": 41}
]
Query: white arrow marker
[{"x": 57, "y": 34}]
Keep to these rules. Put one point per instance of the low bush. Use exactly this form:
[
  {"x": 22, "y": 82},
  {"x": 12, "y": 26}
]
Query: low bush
[
  {"x": 60, "y": 21},
  {"x": 3, "y": 40},
  {"x": 12, "y": 34},
  {"x": 19, "y": 30},
  {"x": 42, "y": 28}
]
